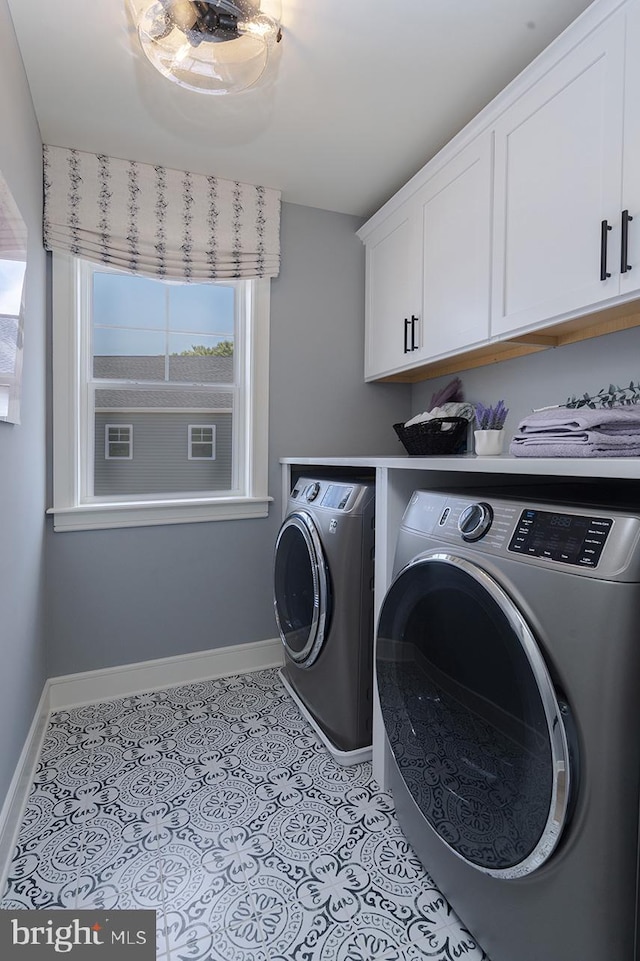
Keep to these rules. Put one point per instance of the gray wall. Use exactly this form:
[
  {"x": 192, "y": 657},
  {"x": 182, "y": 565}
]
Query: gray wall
[
  {"x": 122, "y": 596},
  {"x": 22, "y": 448},
  {"x": 548, "y": 377}
]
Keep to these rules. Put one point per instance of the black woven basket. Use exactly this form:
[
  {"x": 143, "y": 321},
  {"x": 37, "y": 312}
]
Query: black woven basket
[{"x": 442, "y": 435}]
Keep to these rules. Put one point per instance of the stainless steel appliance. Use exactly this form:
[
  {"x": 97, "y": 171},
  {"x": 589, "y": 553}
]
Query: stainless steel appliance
[
  {"x": 508, "y": 668},
  {"x": 323, "y": 600}
]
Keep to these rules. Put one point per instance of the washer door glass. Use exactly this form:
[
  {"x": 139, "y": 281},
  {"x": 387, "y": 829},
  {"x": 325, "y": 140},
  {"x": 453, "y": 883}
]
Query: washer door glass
[
  {"x": 471, "y": 715},
  {"x": 302, "y": 597}
]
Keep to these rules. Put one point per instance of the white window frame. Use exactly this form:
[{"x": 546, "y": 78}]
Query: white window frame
[
  {"x": 191, "y": 441},
  {"x": 107, "y": 441},
  {"x": 73, "y": 509}
]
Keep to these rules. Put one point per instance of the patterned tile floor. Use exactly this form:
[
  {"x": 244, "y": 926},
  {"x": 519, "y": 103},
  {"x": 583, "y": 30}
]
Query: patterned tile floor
[{"x": 214, "y": 804}]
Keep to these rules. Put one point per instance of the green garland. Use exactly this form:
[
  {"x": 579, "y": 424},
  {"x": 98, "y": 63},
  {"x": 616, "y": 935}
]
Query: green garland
[{"x": 611, "y": 397}]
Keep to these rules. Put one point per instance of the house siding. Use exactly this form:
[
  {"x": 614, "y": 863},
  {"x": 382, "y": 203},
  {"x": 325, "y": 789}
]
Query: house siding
[{"x": 160, "y": 462}]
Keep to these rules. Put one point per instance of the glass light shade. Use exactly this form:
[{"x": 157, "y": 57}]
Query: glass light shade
[{"x": 210, "y": 46}]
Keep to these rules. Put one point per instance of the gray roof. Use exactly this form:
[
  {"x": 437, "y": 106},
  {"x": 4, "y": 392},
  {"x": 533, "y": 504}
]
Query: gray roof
[
  {"x": 191, "y": 369},
  {"x": 164, "y": 399}
]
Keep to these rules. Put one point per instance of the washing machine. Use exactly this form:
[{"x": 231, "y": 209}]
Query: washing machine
[
  {"x": 323, "y": 601},
  {"x": 508, "y": 669}
]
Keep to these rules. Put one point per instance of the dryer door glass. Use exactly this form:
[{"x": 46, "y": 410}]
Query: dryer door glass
[
  {"x": 301, "y": 589},
  {"x": 471, "y": 715}
]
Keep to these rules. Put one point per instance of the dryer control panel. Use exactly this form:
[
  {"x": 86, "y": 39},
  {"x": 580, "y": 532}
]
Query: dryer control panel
[
  {"x": 569, "y": 538},
  {"x": 597, "y": 542}
]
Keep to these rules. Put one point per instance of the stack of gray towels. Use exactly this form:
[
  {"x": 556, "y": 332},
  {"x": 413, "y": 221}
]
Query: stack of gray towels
[{"x": 579, "y": 432}]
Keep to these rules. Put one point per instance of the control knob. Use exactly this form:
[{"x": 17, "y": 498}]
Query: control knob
[
  {"x": 475, "y": 520},
  {"x": 312, "y": 492}
]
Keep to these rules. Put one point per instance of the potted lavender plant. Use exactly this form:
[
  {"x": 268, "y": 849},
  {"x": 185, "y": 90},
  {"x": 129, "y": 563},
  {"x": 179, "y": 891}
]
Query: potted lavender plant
[{"x": 489, "y": 436}]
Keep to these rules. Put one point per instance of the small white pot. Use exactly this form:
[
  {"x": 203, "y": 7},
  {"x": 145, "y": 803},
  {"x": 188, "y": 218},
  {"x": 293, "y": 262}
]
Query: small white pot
[{"x": 489, "y": 442}]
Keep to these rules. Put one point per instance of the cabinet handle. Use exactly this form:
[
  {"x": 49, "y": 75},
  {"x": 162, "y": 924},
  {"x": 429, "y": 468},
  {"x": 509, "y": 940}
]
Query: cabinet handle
[
  {"x": 624, "y": 242},
  {"x": 414, "y": 321},
  {"x": 407, "y": 324},
  {"x": 604, "y": 228}
]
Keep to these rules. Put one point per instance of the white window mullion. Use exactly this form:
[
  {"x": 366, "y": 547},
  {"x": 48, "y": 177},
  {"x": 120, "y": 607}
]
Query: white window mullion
[
  {"x": 86, "y": 440},
  {"x": 257, "y": 387},
  {"x": 239, "y": 415},
  {"x": 167, "y": 324},
  {"x": 67, "y": 399}
]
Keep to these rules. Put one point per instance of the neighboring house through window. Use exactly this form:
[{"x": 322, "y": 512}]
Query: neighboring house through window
[
  {"x": 202, "y": 442},
  {"x": 118, "y": 441},
  {"x": 158, "y": 359}
]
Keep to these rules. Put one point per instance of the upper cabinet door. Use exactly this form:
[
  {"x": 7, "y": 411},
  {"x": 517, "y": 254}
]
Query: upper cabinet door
[
  {"x": 456, "y": 251},
  {"x": 629, "y": 260},
  {"x": 392, "y": 293},
  {"x": 558, "y": 174}
]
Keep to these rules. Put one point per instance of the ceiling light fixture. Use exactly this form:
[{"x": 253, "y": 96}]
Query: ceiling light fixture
[{"x": 210, "y": 46}]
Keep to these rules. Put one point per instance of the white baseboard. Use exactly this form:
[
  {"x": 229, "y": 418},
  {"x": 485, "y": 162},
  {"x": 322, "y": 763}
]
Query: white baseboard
[
  {"x": 15, "y": 802},
  {"x": 71, "y": 690}
]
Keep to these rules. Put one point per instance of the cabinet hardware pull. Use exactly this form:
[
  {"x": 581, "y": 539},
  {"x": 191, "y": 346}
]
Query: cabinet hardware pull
[
  {"x": 624, "y": 242},
  {"x": 604, "y": 228},
  {"x": 407, "y": 322},
  {"x": 414, "y": 321}
]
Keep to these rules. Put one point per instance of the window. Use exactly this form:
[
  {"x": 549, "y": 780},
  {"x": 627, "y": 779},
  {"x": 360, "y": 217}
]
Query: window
[
  {"x": 118, "y": 441},
  {"x": 11, "y": 282},
  {"x": 202, "y": 442},
  {"x": 13, "y": 265},
  {"x": 161, "y": 360}
]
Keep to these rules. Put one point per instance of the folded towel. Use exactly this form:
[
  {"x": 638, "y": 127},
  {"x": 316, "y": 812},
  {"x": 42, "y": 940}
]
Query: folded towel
[
  {"x": 607, "y": 430},
  {"x": 595, "y": 438},
  {"x": 579, "y": 432},
  {"x": 553, "y": 449},
  {"x": 567, "y": 419},
  {"x": 450, "y": 409}
]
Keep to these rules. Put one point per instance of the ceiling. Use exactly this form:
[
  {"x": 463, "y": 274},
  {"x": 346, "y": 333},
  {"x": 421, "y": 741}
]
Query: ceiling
[{"x": 361, "y": 95}]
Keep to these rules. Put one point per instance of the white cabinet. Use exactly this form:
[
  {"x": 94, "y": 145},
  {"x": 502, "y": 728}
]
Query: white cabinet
[
  {"x": 392, "y": 293},
  {"x": 428, "y": 268},
  {"x": 455, "y": 208},
  {"x": 558, "y": 177},
  {"x": 630, "y": 232}
]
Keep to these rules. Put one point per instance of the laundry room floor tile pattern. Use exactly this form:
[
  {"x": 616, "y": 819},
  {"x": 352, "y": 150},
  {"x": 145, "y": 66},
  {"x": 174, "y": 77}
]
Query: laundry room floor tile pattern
[{"x": 215, "y": 804}]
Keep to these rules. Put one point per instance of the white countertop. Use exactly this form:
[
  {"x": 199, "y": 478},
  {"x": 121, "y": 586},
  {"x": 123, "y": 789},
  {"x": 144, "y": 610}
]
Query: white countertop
[{"x": 612, "y": 467}]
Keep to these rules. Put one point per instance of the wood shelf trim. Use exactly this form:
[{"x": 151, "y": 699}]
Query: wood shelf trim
[{"x": 539, "y": 340}]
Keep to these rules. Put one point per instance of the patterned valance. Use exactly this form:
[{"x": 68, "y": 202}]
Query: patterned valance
[{"x": 157, "y": 221}]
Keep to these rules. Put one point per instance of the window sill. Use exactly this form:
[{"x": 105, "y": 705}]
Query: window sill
[{"x": 95, "y": 517}]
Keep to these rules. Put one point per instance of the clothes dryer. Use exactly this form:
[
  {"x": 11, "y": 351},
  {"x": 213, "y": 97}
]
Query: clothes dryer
[
  {"x": 508, "y": 669},
  {"x": 323, "y": 601}
]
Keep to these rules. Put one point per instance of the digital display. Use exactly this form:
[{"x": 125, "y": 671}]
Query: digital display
[
  {"x": 568, "y": 538},
  {"x": 336, "y": 496}
]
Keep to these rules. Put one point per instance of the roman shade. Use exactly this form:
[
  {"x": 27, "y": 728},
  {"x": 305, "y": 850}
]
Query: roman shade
[{"x": 158, "y": 221}]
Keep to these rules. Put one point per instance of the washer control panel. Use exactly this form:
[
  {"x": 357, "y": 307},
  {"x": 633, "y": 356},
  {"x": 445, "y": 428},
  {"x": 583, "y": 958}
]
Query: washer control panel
[
  {"x": 332, "y": 495},
  {"x": 569, "y": 538},
  {"x": 312, "y": 492}
]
